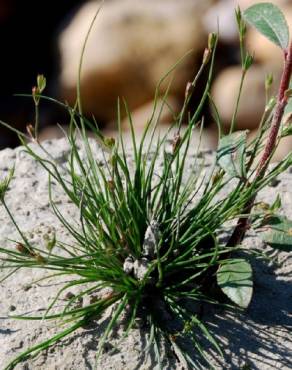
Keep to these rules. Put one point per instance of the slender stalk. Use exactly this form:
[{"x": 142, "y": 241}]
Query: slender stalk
[
  {"x": 37, "y": 119},
  {"x": 16, "y": 225},
  {"x": 79, "y": 102},
  {"x": 282, "y": 100},
  {"x": 232, "y": 126}
]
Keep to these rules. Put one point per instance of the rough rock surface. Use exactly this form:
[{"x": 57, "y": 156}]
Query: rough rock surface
[{"x": 259, "y": 338}]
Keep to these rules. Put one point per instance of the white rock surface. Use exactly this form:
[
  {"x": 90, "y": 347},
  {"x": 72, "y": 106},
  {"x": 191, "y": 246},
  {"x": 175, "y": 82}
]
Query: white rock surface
[{"x": 260, "y": 337}]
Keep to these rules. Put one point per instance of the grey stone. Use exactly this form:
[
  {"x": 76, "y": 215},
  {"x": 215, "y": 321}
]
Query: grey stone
[{"x": 260, "y": 337}]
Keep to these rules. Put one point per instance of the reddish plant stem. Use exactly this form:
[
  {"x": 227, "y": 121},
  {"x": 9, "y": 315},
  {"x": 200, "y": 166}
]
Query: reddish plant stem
[
  {"x": 282, "y": 99},
  {"x": 279, "y": 111}
]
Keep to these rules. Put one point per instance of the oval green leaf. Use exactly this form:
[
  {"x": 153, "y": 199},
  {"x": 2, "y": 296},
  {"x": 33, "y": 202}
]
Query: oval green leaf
[
  {"x": 279, "y": 233},
  {"x": 235, "y": 279},
  {"x": 231, "y": 154},
  {"x": 269, "y": 21}
]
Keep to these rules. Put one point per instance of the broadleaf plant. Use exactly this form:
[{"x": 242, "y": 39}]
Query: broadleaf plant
[
  {"x": 231, "y": 154},
  {"x": 234, "y": 277},
  {"x": 149, "y": 230},
  {"x": 269, "y": 21},
  {"x": 278, "y": 232}
]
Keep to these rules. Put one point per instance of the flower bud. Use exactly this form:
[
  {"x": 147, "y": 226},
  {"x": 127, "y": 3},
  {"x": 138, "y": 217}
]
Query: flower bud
[
  {"x": 212, "y": 38},
  {"x": 40, "y": 259},
  {"x": 241, "y": 25},
  {"x": 41, "y": 83},
  {"x": 247, "y": 62},
  {"x": 176, "y": 142},
  {"x": 30, "y": 130},
  {"x": 271, "y": 104},
  {"x": 268, "y": 81},
  {"x": 109, "y": 142},
  {"x": 288, "y": 94},
  {"x": 206, "y": 56},
  {"x": 35, "y": 94},
  {"x": 22, "y": 248},
  {"x": 111, "y": 185},
  {"x": 189, "y": 89},
  {"x": 4, "y": 184}
]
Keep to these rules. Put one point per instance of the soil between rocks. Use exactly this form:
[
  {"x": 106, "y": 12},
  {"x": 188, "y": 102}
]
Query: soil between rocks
[{"x": 259, "y": 338}]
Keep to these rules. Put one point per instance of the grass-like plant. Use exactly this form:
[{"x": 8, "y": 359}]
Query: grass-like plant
[{"x": 150, "y": 231}]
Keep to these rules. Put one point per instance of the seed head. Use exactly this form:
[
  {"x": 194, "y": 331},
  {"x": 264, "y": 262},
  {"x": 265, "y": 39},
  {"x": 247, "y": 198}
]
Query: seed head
[{"x": 4, "y": 184}]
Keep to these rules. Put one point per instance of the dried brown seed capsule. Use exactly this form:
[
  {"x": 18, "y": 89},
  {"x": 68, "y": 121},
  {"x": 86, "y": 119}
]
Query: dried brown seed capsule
[
  {"x": 93, "y": 299},
  {"x": 69, "y": 295},
  {"x": 30, "y": 130},
  {"x": 39, "y": 258},
  {"x": 189, "y": 90},
  {"x": 206, "y": 55},
  {"x": 111, "y": 185},
  {"x": 109, "y": 142},
  {"x": 176, "y": 142},
  {"x": 23, "y": 249}
]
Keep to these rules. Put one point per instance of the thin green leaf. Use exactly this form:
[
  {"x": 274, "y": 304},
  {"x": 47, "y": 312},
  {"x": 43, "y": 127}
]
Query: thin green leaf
[
  {"x": 286, "y": 131},
  {"x": 277, "y": 204}
]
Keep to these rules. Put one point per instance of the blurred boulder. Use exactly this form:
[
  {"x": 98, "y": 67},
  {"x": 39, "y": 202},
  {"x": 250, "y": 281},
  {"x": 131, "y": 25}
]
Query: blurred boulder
[
  {"x": 252, "y": 102},
  {"x": 131, "y": 46},
  {"x": 221, "y": 16},
  {"x": 282, "y": 150},
  {"x": 163, "y": 113},
  {"x": 243, "y": 4}
]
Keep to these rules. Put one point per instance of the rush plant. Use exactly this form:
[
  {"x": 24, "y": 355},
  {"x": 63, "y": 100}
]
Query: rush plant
[{"x": 149, "y": 232}]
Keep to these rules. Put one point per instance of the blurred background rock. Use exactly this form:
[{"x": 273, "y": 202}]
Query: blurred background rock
[{"x": 132, "y": 44}]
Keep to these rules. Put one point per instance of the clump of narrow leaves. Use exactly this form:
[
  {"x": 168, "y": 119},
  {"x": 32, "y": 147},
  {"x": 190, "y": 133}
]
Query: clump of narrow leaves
[{"x": 150, "y": 228}]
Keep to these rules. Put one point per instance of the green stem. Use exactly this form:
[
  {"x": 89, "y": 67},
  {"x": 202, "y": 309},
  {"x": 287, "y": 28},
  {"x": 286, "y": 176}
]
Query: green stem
[
  {"x": 232, "y": 126},
  {"x": 36, "y": 123},
  {"x": 16, "y": 226}
]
